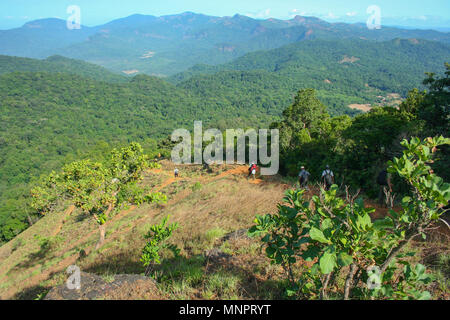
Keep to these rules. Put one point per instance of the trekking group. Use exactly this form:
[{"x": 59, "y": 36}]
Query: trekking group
[{"x": 327, "y": 178}]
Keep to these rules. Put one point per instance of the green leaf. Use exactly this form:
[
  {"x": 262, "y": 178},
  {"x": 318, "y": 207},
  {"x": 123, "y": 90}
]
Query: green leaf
[
  {"x": 364, "y": 221},
  {"x": 383, "y": 223},
  {"x": 326, "y": 224},
  {"x": 327, "y": 262},
  {"x": 344, "y": 259},
  {"x": 424, "y": 296},
  {"x": 318, "y": 235},
  {"x": 270, "y": 252}
]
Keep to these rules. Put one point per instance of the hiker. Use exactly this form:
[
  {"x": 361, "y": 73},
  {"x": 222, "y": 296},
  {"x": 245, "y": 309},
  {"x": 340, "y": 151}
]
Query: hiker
[
  {"x": 303, "y": 178},
  {"x": 327, "y": 178},
  {"x": 384, "y": 182},
  {"x": 252, "y": 170},
  {"x": 176, "y": 172}
]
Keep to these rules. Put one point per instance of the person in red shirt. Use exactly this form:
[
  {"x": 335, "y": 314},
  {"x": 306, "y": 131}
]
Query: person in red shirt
[{"x": 252, "y": 170}]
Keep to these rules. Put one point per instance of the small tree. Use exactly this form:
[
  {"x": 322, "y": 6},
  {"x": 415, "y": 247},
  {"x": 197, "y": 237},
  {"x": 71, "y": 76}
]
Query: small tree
[
  {"x": 97, "y": 188},
  {"x": 157, "y": 238}
]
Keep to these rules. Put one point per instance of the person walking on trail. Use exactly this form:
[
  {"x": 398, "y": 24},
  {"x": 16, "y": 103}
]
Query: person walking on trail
[
  {"x": 252, "y": 171},
  {"x": 328, "y": 178},
  {"x": 176, "y": 172},
  {"x": 303, "y": 178},
  {"x": 384, "y": 183}
]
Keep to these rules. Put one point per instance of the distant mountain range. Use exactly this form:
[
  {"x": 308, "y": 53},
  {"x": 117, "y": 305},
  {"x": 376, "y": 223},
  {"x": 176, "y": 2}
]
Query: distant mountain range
[{"x": 171, "y": 44}]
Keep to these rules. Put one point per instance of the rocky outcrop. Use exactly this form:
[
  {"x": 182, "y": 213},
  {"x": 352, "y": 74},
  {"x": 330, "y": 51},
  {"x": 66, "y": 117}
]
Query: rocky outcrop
[{"x": 117, "y": 287}]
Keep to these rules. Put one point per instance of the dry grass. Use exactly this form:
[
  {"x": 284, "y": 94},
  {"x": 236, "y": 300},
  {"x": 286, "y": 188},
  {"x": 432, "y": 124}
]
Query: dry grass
[
  {"x": 26, "y": 269},
  {"x": 206, "y": 204}
]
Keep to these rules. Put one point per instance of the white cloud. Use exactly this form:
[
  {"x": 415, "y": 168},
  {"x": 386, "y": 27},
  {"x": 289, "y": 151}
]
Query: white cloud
[
  {"x": 331, "y": 15},
  {"x": 260, "y": 15},
  {"x": 297, "y": 12},
  {"x": 351, "y": 14}
]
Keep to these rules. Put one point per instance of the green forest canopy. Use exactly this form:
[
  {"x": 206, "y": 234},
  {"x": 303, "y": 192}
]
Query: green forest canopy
[{"x": 51, "y": 119}]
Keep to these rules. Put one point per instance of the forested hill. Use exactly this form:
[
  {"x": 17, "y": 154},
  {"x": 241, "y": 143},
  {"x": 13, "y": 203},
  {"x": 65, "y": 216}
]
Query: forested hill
[
  {"x": 49, "y": 119},
  {"x": 349, "y": 67},
  {"x": 59, "y": 64},
  {"x": 171, "y": 44}
]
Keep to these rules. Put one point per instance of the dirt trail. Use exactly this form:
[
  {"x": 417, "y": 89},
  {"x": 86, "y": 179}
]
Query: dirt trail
[
  {"x": 165, "y": 184},
  {"x": 241, "y": 170}
]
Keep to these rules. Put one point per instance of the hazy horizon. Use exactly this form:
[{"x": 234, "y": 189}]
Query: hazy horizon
[{"x": 402, "y": 14}]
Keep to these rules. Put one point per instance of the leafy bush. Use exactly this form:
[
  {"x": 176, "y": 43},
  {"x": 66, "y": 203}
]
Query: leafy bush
[
  {"x": 339, "y": 238},
  {"x": 157, "y": 239},
  {"x": 197, "y": 186}
]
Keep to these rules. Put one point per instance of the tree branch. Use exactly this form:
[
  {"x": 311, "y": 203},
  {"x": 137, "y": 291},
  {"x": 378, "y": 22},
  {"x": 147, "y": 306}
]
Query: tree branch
[
  {"x": 396, "y": 251},
  {"x": 349, "y": 280}
]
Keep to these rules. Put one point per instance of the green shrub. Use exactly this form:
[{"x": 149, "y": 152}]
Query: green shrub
[
  {"x": 157, "y": 239},
  {"x": 340, "y": 235}
]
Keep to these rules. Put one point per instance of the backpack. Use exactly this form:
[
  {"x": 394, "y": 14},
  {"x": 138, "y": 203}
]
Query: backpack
[
  {"x": 304, "y": 175},
  {"x": 382, "y": 178},
  {"x": 328, "y": 178}
]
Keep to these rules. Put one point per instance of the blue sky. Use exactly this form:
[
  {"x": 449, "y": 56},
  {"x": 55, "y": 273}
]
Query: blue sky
[{"x": 14, "y": 13}]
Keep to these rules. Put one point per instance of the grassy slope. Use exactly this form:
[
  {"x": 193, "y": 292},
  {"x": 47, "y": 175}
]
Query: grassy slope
[{"x": 28, "y": 269}]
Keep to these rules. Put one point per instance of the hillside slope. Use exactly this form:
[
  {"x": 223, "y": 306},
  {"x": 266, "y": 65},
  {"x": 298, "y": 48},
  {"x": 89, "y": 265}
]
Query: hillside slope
[
  {"x": 217, "y": 260},
  {"x": 58, "y": 64},
  {"x": 38, "y": 257}
]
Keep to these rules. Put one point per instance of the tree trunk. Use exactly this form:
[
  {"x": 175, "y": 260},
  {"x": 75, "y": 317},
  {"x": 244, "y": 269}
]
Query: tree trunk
[
  {"x": 101, "y": 240},
  {"x": 324, "y": 294},
  {"x": 30, "y": 222},
  {"x": 102, "y": 229},
  {"x": 349, "y": 280}
]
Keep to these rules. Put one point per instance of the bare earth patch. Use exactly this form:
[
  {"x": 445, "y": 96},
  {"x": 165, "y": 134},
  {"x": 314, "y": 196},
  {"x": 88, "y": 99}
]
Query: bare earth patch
[
  {"x": 347, "y": 59},
  {"x": 362, "y": 107},
  {"x": 128, "y": 72}
]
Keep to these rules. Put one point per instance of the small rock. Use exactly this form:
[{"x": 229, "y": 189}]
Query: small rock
[{"x": 239, "y": 234}]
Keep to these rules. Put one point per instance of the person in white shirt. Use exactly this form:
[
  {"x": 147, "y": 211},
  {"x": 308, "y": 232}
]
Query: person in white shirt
[
  {"x": 328, "y": 178},
  {"x": 303, "y": 177}
]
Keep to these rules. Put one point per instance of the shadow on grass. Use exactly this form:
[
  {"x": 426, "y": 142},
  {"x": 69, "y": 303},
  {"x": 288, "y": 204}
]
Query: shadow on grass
[
  {"x": 121, "y": 263},
  {"x": 33, "y": 259},
  {"x": 217, "y": 279},
  {"x": 33, "y": 293},
  {"x": 193, "y": 277}
]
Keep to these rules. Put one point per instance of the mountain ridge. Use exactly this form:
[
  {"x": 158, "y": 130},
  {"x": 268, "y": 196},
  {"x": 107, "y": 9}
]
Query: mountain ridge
[{"x": 180, "y": 41}]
